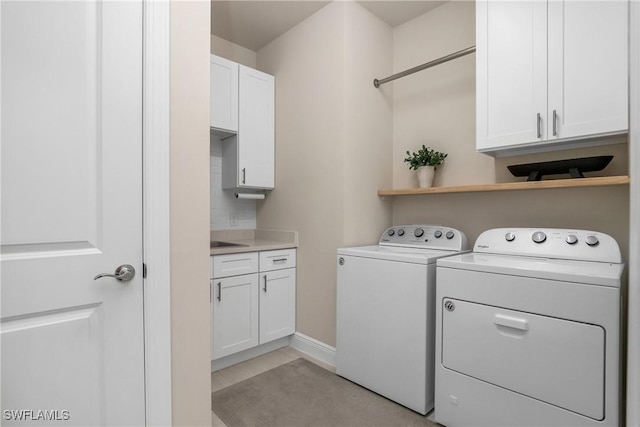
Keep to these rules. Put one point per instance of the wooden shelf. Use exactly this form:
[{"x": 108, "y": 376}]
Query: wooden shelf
[{"x": 510, "y": 186}]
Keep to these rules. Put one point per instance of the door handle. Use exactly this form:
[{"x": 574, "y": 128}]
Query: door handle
[
  {"x": 124, "y": 273},
  {"x": 219, "y": 291},
  {"x": 511, "y": 322},
  {"x": 265, "y": 283},
  {"x": 555, "y": 125},
  {"x": 539, "y": 125},
  {"x": 244, "y": 175}
]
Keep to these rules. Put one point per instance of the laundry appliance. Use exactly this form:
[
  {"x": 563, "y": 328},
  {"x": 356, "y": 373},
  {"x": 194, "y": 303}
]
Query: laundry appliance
[
  {"x": 528, "y": 330},
  {"x": 386, "y": 312}
]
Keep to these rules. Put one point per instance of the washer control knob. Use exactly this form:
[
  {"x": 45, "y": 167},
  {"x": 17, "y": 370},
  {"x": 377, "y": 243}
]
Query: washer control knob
[
  {"x": 571, "y": 239},
  {"x": 449, "y": 235},
  {"x": 401, "y": 232},
  {"x": 539, "y": 237},
  {"x": 419, "y": 232},
  {"x": 391, "y": 232},
  {"x": 592, "y": 240},
  {"x": 510, "y": 237},
  {"x": 438, "y": 234}
]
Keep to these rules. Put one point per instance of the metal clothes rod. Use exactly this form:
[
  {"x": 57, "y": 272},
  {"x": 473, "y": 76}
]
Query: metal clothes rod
[{"x": 438, "y": 61}]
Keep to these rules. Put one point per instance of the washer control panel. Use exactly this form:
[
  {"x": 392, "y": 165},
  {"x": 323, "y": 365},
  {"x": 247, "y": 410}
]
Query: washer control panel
[
  {"x": 557, "y": 243},
  {"x": 425, "y": 236}
]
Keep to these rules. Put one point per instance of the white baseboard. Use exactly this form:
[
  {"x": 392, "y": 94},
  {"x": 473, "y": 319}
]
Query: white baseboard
[
  {"x": 314, "y": 348},
  {"x": 245, "y": 355}
]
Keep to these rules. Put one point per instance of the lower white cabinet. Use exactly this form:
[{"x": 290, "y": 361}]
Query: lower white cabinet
[
  {"x": 234, "y": 314},
  {"x": 277, "y": 304},
  {"x": 253, "y": 308}
]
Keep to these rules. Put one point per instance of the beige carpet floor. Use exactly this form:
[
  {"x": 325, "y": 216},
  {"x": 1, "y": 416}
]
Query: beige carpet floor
[{"x": 301, "y": 393}]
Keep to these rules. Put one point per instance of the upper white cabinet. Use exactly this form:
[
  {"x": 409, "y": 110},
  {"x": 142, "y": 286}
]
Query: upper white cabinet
[
  {"x": 224, "y": 94},
  {"x": 256, "y": 133},
  {"x": 550, "y": 72},
  {"x": 243, "y": 114}
]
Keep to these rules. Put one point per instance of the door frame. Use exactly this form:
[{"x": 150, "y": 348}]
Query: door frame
[
  {"x": 156, "y": 226},
  {"x": 633, "y": 308}
]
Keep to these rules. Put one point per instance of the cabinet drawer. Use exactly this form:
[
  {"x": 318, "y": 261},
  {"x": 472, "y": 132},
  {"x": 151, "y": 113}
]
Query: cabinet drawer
[
  {"x": 234, "y": 264},
  {"x": 277, "y": 260}
]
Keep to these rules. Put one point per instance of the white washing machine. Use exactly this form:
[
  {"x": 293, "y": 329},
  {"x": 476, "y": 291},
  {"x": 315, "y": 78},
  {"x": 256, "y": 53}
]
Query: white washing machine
[
  {"x": 528, "y": 330},
  {"x": 386, "y": 312}
]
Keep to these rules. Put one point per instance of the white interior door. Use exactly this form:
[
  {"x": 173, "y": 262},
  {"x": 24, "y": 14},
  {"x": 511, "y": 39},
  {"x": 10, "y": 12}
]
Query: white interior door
[{"x": 71, "y": 156}]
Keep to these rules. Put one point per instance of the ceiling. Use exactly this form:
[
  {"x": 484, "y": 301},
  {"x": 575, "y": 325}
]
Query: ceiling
[{"x": 255, "y": 23}]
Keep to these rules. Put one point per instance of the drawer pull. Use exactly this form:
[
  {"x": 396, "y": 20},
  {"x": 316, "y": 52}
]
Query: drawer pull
[
  {"x": 279, "y": 260},
  {"x": 511, "y": 322}
]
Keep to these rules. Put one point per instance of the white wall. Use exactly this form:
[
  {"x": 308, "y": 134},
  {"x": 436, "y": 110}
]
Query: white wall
[
  {"x": 190, "y": 330},
  {"x": 368, "y": 131},
  {"x": 333, "y": 134},
  {"x": 436, "y": 107}
]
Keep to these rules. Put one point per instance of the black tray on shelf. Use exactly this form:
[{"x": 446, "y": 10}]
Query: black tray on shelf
[{"x": 574, "y": 167}]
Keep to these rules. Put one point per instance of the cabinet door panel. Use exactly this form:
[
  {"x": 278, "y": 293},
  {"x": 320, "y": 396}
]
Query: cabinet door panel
[
  {"x": 235, "y": 314},
  {"x": 256, "y": 144},
  {"x": 224, "y": 94},
  {"x": 588, "y": 83},
  {"x": 277, "y": 304},
  {"x": 511, "y": 72}
]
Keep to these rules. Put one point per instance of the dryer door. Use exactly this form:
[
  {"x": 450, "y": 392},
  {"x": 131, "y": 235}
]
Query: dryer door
[{"x": 556, "y": 361}]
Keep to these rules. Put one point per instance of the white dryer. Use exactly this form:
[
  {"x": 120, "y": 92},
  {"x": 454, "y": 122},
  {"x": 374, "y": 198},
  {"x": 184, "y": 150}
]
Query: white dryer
[
  {"x": 386, "y": 312},
  {"x": 528, "y": 330}
]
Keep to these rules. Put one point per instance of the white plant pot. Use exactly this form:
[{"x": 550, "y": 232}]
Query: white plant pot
[{"x": 425, "y": 176}]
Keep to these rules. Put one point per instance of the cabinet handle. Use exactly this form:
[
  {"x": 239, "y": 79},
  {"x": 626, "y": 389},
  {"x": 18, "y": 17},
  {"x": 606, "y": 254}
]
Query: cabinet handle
[
  {"x": 279, "y": 260},
  {"x": 244, "y": 175},
  {"x": 265, "y": 283},
  {"x": 555, "y": 119},
  {"x": 219, "y": 291},
  {"x": 539, "y": 124}
]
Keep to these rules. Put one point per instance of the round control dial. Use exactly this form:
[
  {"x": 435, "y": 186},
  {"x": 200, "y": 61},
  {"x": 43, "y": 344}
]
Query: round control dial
[
  {"x": 450, "y": 235},
  {"x": 419, "y": 232},
  {"x": 571, "y": 239},
  {"x": 592, "y": 241},
  {"x": 539, "y": 237},
  {"x": 391, "y": 232},
  {"x": 438, "y": 234},
  {"x": 510, "y": 237},
  {"x": 401, "y": 232}
]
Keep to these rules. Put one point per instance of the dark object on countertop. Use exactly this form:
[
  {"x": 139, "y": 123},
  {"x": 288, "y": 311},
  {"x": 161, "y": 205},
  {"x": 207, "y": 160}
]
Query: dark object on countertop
[{"x": 575, "y": 167}]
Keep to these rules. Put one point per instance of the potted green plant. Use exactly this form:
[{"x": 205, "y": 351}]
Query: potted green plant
[{"x": 425, "y": 162}]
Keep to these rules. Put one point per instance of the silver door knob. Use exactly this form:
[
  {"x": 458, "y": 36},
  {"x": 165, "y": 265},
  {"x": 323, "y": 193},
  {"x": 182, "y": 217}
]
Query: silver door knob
[{"x": 124, "y": 273}]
